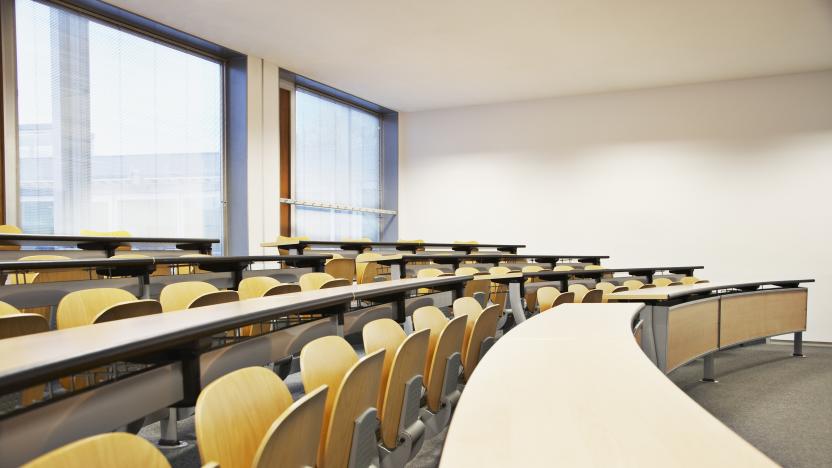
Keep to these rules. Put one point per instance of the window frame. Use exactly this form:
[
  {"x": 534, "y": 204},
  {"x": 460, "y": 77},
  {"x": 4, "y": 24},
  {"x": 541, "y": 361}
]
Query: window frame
[
  {"x": 129, "y": 23},
  {"x": 388, "y": 148}
]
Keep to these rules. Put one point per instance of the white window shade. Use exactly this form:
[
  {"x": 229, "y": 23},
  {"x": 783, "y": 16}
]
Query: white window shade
[
  {"x": 117, "y": 131},
  {"x": 337, "y": 170}
]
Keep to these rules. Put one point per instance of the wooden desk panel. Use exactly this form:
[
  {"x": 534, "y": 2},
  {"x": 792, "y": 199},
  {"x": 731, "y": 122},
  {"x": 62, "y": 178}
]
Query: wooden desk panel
[
  {"x": 692, "y": 330},
  {"x": 746, "y": 317}
]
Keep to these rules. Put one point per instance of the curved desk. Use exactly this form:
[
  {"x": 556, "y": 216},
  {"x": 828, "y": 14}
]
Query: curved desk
[{"x": 573, "y": 388}]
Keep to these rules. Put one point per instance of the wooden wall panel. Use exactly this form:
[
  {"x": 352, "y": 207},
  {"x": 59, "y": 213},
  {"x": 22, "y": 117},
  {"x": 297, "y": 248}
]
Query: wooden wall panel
[
  {"x": 285, "y": 160},
  {"x": 766, "y": 313},
  {"x": 692, "y": 330}
]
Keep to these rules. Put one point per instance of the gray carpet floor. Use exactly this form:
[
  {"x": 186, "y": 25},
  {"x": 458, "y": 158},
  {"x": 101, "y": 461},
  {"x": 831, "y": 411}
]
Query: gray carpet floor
[{"x": 780, "y": 404}]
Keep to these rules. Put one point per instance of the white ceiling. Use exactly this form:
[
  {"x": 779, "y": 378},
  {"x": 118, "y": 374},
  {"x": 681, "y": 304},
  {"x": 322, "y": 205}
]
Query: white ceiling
[{"x": 424, "y": 54}]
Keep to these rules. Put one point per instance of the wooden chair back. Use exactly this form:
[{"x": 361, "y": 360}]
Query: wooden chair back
[
  {"x": 314, "y": 281},
  {"x": 180, "y": 296},
  {"x": 89, "y": 232},
  {"x": 234, "y": 413},
  {"x": 563, "y": 268},
  {"x": 661, "y": 282},
  {"x": 580, "y": 291},
  {"x": 593, "y": 296},
  {"x": 8, "y": 309},
  {"x": 80, "y": 308},
  {"x": 214, "y": 298},
  {"x": 262, "y": 286},
  {"x": 609, "y": 288},
  {"x": 293, "y": 439},
  {"x": 353, "y": 385},
  {"x": 343, "y": 268},
  {"x": 633, "y": 284},
  {"x": 12, "y": 325},
  {"x": 365, "y": 269},
  {"x": 125, "y": 310},
  {"x": 48, "y": 276},
  {"x": 10, "y": 229},
  {"x": 549, "y": 297},
  {"x": 499, "y": 270},
  {"x": 445, "y": 339},
  {"x": 104, "y": 451},
  {"x": 472, "y": 309},
  {"x": 689, "y": 280},
  {"x": 484, "y": 326},
  {"x": 256, "y": 286},
  {"x": 404, "y": 358}
]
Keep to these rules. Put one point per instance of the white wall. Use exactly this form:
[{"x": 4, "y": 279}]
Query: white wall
[{"x": 736, "y": 176}]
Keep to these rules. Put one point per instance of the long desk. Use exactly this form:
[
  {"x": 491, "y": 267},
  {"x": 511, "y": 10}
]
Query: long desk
[
  {"x": 683, "y": 323},
  {"x": 572, "y": 388},
  {"x": 178, "y": 345},
  {"x": 398, "y": 263},
  {"x": 361, "y": 246},
  {"x": 107, "y": 244},
  {"x": 33, "y": 295},
  {"x": 598, "y": 275}
]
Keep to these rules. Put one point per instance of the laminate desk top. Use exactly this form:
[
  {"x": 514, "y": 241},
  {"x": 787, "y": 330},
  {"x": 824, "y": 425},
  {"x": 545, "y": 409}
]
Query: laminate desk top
[
  {"x": 667, "y": 293},
  {"x": 409, "y": 246},
  {"x": 137, "y": 266},
  {"x": 53, "y": 354},
  {"x": 482, "y": 257},
  {"x": 107, "y": 243},
  {"x": 649, "y": 271},
  {"x": 573, "y": 388}
]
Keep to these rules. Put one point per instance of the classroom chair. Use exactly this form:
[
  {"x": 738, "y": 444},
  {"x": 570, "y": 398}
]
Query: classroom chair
[
  {"x": 480, "y": 331},
  {"x": 479, "y": 289},
  {"x": 689, "y": 280},
  {"x": 247, "y": 419},
  {"x": 549, "y": 297},
  {"x": 609, "y": 288},
  {"x": 285, "y": 240},
  {"x": 89, "y": 232},
  {"x": 443, "y": 363},
  {"x": 262, "y": 286},
  {"x": 633, "y": 284},
  {"x": 104, "y": 451},
  {"x": 191, "y": 294},
  {"x": 15, "y": 323},
  {"x": 368, "y": 271},
  {"x": 10, "y": 229},
  {"x": 348, "y": 434},
  {"x": 400, "y": 389},
  {"x": 98, "y": 305},
  {"x": 343, "y": 268},
  {"x": 314, "y": 281}
]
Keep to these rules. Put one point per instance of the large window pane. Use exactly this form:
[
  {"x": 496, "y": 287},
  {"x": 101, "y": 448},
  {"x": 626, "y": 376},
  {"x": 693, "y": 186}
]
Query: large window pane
[
  {"x": 337, "y": 161},
  {"x": 117, "y": 132}
]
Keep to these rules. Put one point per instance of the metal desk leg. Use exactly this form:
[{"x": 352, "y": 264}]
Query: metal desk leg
[
  {"x": 144, "y": 286},
  {"x": 516, "y": 303},
  {"x": 708, "y": 374},
  {"x": 798, "y": 345},
  {"x": 396, "y": 271}
]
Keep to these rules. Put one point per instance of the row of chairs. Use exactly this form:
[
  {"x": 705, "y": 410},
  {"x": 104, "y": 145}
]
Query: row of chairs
[
  {"x": 248, "y": 418},
  {"x": 549, "y": 297}
]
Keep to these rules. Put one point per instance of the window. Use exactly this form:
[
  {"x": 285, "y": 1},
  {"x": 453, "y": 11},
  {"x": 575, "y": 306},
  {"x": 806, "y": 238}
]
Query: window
[
  {"x": 337, "y": 166},
  {"x": 116, "y": 131}
]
